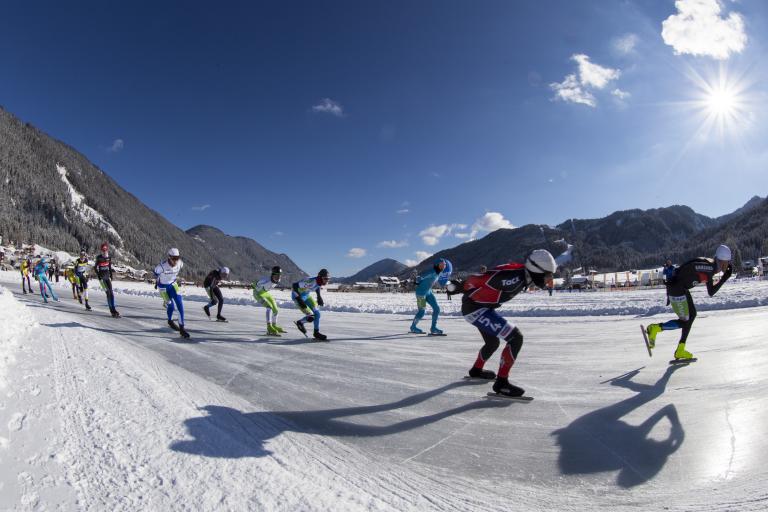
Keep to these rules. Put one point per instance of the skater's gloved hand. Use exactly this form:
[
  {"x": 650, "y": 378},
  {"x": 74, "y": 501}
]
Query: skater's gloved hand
[
  {"x": 320, "y": 302},
  {"x": 728, "y": 271}
]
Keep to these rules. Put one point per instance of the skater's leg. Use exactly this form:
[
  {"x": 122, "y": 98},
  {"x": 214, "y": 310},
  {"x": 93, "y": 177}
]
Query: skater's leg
[
  {"x": 176, "y": 297},
  {"x": 691, "y": 317},
  {"x": 220, "y": 298},
  {"x": 167, "y": 295},
  {"x": 432, "y": 301},
  {"x": 511, "y": 350},
  {"x": 487, "y": 350},
  {"x": 40, "y": 278},
  {"x": 211, "y": 297},
  {"x": 421, "y": 304}
]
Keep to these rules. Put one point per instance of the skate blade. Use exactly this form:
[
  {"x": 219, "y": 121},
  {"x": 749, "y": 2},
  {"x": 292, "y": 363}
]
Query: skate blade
[
  {"x": 683, "y": 361},
  {"x": 430, "y": 334},
  {"x": 645, "y": 338},
  {"x": 469, "y": 377},
  {"x": 524, "y": 398}
]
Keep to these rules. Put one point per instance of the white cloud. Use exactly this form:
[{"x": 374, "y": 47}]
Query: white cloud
[
  {"x": 117, "y": 145},
  {"x": 491, "y": 221},
  {"x": 328, "y": 106},
  {"x": 626, "y": 44},
  {"x": 278, "y": 233},
  {"x": 622, "y": 95},
  {"x": 356, "y": 252},
  {"x": 462, "y": 236},
  {"x": 570, "y": 90},
  {"x": 698, "y": 28},
  {"x": 594, "y": 75},
  {"x": 576, "y": 88},
  {"x": 201, "y": 207},
  {"x": 403, "y": 210},
  {"x": 433, "y": 234},
  {"x": 420, "y": 256},
  {"x": 392, "y": 244}
]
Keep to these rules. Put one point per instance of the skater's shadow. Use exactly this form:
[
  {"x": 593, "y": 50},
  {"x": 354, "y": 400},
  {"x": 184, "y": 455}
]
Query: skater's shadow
[
  {"x": 601, "y": 441},
  {"x": 228, "y": 433}
]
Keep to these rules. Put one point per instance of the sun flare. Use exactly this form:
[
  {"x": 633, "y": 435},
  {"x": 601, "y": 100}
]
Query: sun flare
[{"x": 722, "y": 102}]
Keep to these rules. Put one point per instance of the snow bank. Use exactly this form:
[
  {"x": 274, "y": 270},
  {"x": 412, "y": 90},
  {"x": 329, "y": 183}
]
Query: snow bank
[{"x": 16, "y": 322}]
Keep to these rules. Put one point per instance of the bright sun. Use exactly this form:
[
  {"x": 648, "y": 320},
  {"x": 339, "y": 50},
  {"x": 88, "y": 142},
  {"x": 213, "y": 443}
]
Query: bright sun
[{"x": 722, "y": 102}]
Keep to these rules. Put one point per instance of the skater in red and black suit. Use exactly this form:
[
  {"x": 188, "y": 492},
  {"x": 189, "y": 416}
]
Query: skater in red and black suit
[{"x": 483, "y": 294}]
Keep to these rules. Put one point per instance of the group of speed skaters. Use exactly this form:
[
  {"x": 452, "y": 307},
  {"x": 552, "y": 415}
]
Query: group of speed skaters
[{"x": 482, "y": 294}]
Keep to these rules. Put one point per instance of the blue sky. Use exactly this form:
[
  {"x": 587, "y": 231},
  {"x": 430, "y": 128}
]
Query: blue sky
[{"x": 341, "y": 133}]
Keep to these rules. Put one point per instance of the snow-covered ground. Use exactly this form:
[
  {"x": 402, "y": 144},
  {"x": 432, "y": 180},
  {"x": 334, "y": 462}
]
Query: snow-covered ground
[{"x": 99, "y": 413}]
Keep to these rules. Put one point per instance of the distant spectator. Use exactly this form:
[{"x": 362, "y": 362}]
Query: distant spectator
[
  {"x": 483, "y": 269},
  {"x": 669, "y": 271}
]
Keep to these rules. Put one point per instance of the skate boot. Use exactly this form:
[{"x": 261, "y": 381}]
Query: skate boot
[
  {"x": 115, "y": 313},
  {"x": 503, "y": 387},
  {"x": 220, "y": 318},
  {"x": 183, "y": 332},
  {"x": 272, "y": 330},
  {"x": 480, "y": 373},
  {"x": 652, "y": 330},
  {"x": 300, "y": 326},
  {"x": 207, "y": 311},
  {"x": 173, "y": 325},
  {"x": 79, "y": 299},
  {"x": 87, "y": 306},
  {"x": 436, "y": 332},
  {"x": 681, "y": 353},
  {"x": 319, "y": 336},
  {"x": 416, "y": 330},
  {"x": 278, "y": 329}
]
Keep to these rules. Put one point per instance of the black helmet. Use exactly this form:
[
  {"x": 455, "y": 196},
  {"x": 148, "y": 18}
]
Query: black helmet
[
  {"x": 323, "y": 273},
  {"x": 276, "y": 270}
]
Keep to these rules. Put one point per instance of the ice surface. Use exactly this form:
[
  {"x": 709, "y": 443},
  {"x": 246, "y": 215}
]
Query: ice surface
[{"x": 382, "y": 420}]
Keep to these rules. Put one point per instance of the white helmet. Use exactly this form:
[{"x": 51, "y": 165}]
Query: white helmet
[
  {"x": 173, "y": 251},
  {"x": 224, "y": 271},
  {"x": 540, "y": 261},
  {"x": 723, "y": 253}
]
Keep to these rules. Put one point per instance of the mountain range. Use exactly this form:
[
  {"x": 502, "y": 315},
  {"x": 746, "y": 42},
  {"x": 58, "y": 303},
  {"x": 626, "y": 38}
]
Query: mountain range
[
  {"x": 53, "y": 195},
  {"x": 385, "y": 267},
  {"x": 623, "y": 240}
]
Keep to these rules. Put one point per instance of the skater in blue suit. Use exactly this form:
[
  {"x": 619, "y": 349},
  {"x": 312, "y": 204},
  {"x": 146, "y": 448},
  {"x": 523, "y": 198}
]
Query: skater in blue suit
[
  {"x": 440, "y": 272},
  {"x": 41, "y": 269}
]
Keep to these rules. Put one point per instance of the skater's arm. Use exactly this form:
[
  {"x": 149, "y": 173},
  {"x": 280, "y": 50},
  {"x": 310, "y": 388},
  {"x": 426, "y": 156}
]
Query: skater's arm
[
  {"x": 319, "y": 298},
  {"x": 713, "y": 288},
  {"x": 298, "y": 299}
]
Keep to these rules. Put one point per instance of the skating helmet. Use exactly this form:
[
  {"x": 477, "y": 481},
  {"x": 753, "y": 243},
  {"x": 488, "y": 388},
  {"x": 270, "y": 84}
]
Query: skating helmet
[
  {"x": 224, "y": 271},
  {"x": 439, "y": 265},
  {"x": 723, "y": 253},
  {"x": 276, "y": 273},
  {"x": 323, "y": 276},
  {"x": 540, "y": 264}
]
